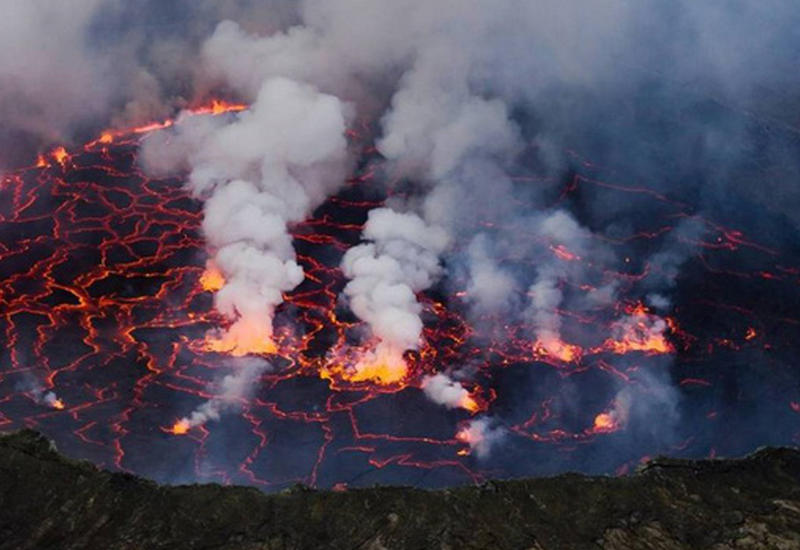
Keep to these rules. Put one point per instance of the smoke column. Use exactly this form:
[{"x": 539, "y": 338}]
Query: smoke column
[
  {"x": 258, "y": 173},
  {"x": 231, "y": 393},
  {"x": 400, "y": 259}
]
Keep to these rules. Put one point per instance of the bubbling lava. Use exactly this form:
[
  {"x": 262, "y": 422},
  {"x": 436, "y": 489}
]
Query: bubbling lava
[{"x": 106, "y": 298}]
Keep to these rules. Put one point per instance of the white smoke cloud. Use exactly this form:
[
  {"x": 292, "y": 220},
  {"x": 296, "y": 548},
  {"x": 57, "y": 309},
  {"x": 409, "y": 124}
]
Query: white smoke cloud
[
  {"x": 446, "y": 123},
  {"x": 482, "y": 435},
  {"x": 490, "y": 288},
  {"x": 45, "y": 64},
  {"x": 400, "y": 259},
  {"x": 545, "y": 297},
  {"x": 443, "y": 390},
  {"x": 232, "y": 392},
  {"x": 665, "y": 264},
  {"x": 647, "y": 405},
  {"x": 39, "y": 393},
  {"x": 259, "y": 172},
  {"x": 561, "y": 233}
]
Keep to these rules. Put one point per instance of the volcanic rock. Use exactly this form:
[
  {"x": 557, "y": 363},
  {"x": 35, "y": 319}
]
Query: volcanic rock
[{"x": 49, "y": 501}]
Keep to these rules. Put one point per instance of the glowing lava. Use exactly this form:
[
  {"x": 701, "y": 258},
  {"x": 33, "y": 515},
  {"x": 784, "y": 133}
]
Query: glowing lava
[
  {"x": 604, "y": 423},
  {"x": 244, "y": 337},
  {"x": 384, "y": 366},
  {"x": 181, "y": 427},
  {"x": 556, "y": 348},
  {"x": 470, "y": 404},
  {"x": 212, "y": 279},
  {"x": 61, "y": 155},
  {"x": 105, "y": 298},
  {"x": 640, "y": 331},
  {"x": 563, "y": 253}
]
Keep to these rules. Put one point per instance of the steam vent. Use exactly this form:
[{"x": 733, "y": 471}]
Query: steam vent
[{"x": 400, "y": 274}]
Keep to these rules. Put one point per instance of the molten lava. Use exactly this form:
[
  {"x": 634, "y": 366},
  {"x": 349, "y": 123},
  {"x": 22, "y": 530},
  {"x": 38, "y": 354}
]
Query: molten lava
[
  {"x": 106, "y": 298},
  {"x": 245, "y": 337},
  {"x": 470, "y": 404},
  {"x": 557, "y": 349},
  {"x": 212, "y": 279},
  {"x": 181, "y": 427},
  {"x": 604, "y": 423},
  {"x": 384, "y": 366},
  {"x": 641, "y": 331},
  {"x": 563, "y": 253},
  {"x": 60, "y": 155}
]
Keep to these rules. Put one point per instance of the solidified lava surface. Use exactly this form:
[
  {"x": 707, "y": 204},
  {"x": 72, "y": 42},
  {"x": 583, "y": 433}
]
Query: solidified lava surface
[{"x": 103, "y": 315}]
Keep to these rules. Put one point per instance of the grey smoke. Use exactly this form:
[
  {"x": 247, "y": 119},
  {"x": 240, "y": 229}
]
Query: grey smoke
[
  {"x": 258, "y": 172},
  {"x": 443, "y": 390},
  {"x": 399, "y": 259},
  {"x": 482, "y": 435},
  {"x": 231, "y": 393}
]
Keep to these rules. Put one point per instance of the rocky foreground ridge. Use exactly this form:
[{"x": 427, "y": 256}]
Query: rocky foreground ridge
[{"x": 48, "y": 501}]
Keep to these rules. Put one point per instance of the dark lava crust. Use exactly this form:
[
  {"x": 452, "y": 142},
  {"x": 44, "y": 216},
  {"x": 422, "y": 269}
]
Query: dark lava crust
[{"x": 48, "y": 501}]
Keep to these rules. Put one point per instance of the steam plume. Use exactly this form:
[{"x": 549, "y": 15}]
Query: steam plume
[
  {"x": 265, "y": 169},
  {"x": 232, "y": 392},
  {"x": 441, "y": 389},
  {"x": 482, "y": 435},
  {"x": 400, "y": 260}
]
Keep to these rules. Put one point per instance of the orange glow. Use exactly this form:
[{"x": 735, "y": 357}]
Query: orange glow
[
  {"x": 58, "y": 404},
  {"x": 245, "y": 337},
  {"x": 106, "y": 137},
  {"x": 639, "y": 310},
  {"x": 384, "y": 366},
  {"x": 641, "y": 331},
  {"x": 212, "y": 278},
  {"x": 655, "y": 344},
  {"x": 61, "y": 155},
  {"x": 468, "y": 436},
  {"x": 557, "y": 349},
  {"x": 464, "y": 435},
  {"x": 219, "y": 107},
  {"x": 751, "y": 333},
  {"x": 469, "y": 403},
  {"x": 41, "y": 162},
  {"x": 181, "y": 427},
  {"x": 152, "y": 127},
  {"x": 604, "y": 422},
  {"x": 563, "y": 253}
]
